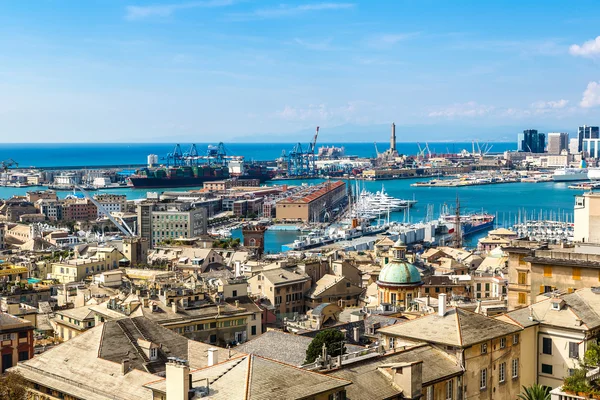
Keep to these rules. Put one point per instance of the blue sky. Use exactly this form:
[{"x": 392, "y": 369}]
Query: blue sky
[{"x": 102, "y": 70}]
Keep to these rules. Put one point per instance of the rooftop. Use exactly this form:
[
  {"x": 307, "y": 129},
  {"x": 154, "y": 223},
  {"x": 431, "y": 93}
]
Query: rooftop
[
  {"x": 369, "y": 383},
  {"x": 458, "y": 327},
  {"x": 257, "y": 378}
]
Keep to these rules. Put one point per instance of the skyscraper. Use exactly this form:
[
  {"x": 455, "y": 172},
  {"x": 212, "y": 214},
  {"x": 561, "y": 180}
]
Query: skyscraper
[
  {"x": 531, "y": 141},
  {"x": 557, "y": 142},
  {"x": 586, "y": 132}
]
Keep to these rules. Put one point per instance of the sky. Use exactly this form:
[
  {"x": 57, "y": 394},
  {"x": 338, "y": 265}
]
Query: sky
[{"x": 227, "y": 70}]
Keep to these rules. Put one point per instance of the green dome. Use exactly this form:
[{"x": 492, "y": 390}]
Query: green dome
[{"x": 399, "y": 272}]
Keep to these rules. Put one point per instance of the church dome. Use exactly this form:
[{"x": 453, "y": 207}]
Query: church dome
[{"x": 399, "y": 271}]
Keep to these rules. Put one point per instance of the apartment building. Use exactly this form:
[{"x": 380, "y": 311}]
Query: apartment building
[
  {"x": 487, "y": 349},
  {"x": 79, "y": 210},
  {"x": 535, "y": 270},
  {"x": 16, "y": 340},
  {"x": 111, "y": 202},
  {"x": 283, "y": 288},
  {"x": 73, "y": 321},
  {"x": 77, "y": 269},
  {"x": 558, "y": 331},
  {"x": 158, "y": 222}
]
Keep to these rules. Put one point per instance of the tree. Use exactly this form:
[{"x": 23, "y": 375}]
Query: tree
[
  {"x": 333, "y": 340},
  {"x": 535, "y": 392},
  {"x": 12, "y": 387}
]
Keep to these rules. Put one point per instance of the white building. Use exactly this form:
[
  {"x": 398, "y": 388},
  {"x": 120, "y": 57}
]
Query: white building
[{"x": 111, "y": 203}]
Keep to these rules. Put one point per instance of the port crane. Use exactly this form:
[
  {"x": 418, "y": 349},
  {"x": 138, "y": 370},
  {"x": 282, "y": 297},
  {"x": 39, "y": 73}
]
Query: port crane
[
  {"x": 123, "y": 227},
  {"x": 6, "y": 164},
  {"x": 214, "y": 155},
  {"x": 302, "y": 162}
]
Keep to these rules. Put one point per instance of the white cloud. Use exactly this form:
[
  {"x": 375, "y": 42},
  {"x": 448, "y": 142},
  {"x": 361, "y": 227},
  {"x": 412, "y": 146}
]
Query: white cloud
[
  {"x": 591, "y": 95},
  {"x": 384, "y": 40},
  {"x": 589, "y": 49},
  {"x": 469, "y": 109},
  {"x": 550, "y": 105},
  {"x": 322, "y": 112},
  {"x": 321, "y": 45},
  {"x": 285, "y": 10},
  {"x": 161, "y": 11}
]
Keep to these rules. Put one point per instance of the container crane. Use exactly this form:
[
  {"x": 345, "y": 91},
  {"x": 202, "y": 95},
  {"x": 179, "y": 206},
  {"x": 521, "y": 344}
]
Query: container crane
[
  {"x": 301, "y": 162},
  {"x": 6, "y": 164}
]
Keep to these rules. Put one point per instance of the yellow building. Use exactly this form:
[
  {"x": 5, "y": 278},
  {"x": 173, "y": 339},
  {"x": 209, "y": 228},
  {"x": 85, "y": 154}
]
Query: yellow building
[
  {"x": 488, "y": 350},
  {"x": 399, "y": 281},
  {"x": 557, "y": 333},
  {"x": 539, "y": 270},
  {"x": 77, "y": 269},
  {"x": 72, "y": 322},
  {"x": 11, "y": 272}
]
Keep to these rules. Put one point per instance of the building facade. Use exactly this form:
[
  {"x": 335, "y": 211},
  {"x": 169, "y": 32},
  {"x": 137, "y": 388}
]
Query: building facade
[
  {"x": 16, "y": 340},
  {"x": 586, "y": 132},
  {"x": 557, "y": 142}
]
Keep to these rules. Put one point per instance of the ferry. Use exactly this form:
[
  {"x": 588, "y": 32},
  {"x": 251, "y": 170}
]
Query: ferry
[
  {"x": 594, "y": 174},
  {"x": 570, "y": 174}
]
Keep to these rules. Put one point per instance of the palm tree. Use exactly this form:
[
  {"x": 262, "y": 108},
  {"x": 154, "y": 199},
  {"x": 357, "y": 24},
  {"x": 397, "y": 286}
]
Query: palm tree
[{"x": 535, "y": 392}]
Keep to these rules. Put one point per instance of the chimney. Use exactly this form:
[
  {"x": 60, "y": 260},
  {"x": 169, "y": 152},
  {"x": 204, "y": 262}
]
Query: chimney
[
  {"x": 355, "y": 334},
  {"x": 238, "y": 269},
  {"x": 174, "y": 306},
  {"x": 427, "y": 301},
  {"x": 442, "y": 304},
  {"x": 409, "y": 377},
  {"x": 125, "y": 366},
  {"x": 237, "y": 304},
  {"x": 178, "y": 379},
  {"x": 213, "y": 356},
  {"x": 138, "y": 292}
]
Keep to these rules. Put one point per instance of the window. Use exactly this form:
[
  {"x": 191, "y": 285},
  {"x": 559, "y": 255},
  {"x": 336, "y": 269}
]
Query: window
[
  {"x": 547, "y": 369},
  {"x": 502, "y": 342},
  {"x": 479, "y": 287},
  {"x": 449, "y": 390},
  {"x": 213, "y": 338},
  {"x": 515, "y": 339},
  {"x": 153, "y": 353},
  {"x": 548, "y": 272},
  {"x": 253, "y": 317},
  {"x": 487, "y": 287},
  {"x": 483, "y": 379},
  {"x": 546, "y": 345},
  {"x": 573, "y": 350},
  {"x": 522, "y": 278},
  {"x": 393, "y": 298},
  {"x": 253, "y": 330},
  {"x": 391, "y": 343},
  {"x": 22, "y": 335},
  {"x": 515, "y": 368},
  {"x": 522, "y": 299},
  {"x": 23, "y": 355},
  {"x": 234, "y": 294},
  {"x": 502, "y": 373},
  {"x": 483, "y": 348},
  {"x": 430, "y": 392},
  {"x": 576, "y": 273}
]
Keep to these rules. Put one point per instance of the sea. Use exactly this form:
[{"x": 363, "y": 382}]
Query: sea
[
  {"x": 103, "y": 154},
  {"x": 508, "y": 202}
]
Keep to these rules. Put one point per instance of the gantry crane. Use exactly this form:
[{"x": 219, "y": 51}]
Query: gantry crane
[{"x": 6, "y": 164}]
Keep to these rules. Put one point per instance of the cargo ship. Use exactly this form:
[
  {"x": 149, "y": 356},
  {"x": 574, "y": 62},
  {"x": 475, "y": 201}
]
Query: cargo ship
[{"x": 185, "y": 176}]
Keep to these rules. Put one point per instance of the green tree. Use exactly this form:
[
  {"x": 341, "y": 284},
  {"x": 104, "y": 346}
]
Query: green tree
[
  {"x": 333, "y": 340},
  {"x": 535, "y": 392},
  {"x": 12, "y": 387},
  {"x": 591, "y": 357}
]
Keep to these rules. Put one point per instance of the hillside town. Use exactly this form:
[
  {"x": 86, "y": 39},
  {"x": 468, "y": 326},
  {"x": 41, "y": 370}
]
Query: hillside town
[{"x": 163, "y": 310}]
